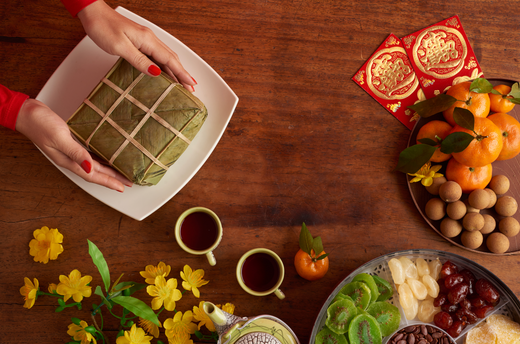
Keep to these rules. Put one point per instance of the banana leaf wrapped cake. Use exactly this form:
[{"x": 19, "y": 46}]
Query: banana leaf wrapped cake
[{"x": 138, "y": 124}]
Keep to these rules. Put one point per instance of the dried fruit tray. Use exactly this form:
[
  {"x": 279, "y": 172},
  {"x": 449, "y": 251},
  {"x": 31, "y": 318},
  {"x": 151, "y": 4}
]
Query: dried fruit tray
[
  {"x": 509, "y": 304},
  {"x": 508, "y": 168}
]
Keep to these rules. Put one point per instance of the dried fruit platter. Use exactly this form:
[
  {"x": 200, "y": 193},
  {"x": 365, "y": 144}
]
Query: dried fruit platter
[
  {"x": 508, "y": 304},
  {"x": 509, "y": 168}
]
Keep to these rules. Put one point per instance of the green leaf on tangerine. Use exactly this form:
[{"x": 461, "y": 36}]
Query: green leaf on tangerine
[
  {"x": 414, "y": 157},
  {"x": 456, "y": 142},
  {"x": 514, "y": 100},
  {"x": 515, "y": 90},
  {"x": 428, "y": 142},
  {"x": 137, "y": 307},
  {"x": 430, "y": 107},
  {"x": 480, "y": 85},
  {"x": 306, "y": 240},
  {"x": 464, "y": 118},
  {"x": 100, "y": 262},
  {"x": 99, "y": 292},
  {"x": 323, "y": 256},
  {"x": 317, "y": 245}
]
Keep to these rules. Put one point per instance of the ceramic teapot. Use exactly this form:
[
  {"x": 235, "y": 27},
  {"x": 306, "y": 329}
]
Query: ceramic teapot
[{"x": 262, "y": 329}]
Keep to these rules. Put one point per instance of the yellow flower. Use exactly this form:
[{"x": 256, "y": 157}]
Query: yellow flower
[
  {"x": 202, "y": 317},
  {"x": 228, "y": 308},
  {"x": 153, "y": 271},
  {"x": 136, "y": 335},
  {"x": 149, "y": 327},
  {"x": 52, "y": 288},
  {"x": 164, "y": 292},
  {"x": 46, "y": 244},
  {"x": 426, "y": 174},
  {"x": 29, "y": 292},
  {"x": 181, "y": 338},
  {"x": 79, "y": 333},
  {"x": 180, "y": 324},
  {"x": 75, "y": 286},
  {"x": 193, "y": 280}
]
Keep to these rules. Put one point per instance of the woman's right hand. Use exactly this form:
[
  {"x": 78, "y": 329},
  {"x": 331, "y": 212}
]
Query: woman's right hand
[{"x": 51, "y": 134}]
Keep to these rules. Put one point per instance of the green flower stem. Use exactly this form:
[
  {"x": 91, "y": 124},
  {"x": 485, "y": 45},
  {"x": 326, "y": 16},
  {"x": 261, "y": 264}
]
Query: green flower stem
[{"x": 48, "y": 294}]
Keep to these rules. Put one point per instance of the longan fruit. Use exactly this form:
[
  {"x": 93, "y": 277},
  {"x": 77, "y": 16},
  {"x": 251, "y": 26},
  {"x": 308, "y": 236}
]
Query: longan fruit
[
  {"x": 500, "y": 184},
  {"x": 450, "y": 191},
  {"x": 435, "y": 209},
  {"x": 509, "y": 226},
  {"x": 497, "y": 242},
  {"x": 489, "y": 224},
  {"x": 473, "y": 222},
  {"x": 478, "y": 198},
  {"x": 434, "y": 188},
  {"x": 456, "y": 210},
  {"x": 472, "y": 240},
  {"x": 450, "y": 228},
  {"x": 492, "y": 198},
  {"x": 469, "y": 208},
  {"x": 506, "y": 206}
]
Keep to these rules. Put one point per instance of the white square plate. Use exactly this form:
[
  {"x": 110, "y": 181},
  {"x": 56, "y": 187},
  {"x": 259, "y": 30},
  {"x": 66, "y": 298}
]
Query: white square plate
[{"x": 82, "y": 70}]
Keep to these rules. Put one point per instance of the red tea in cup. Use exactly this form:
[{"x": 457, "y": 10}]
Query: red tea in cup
[
  {"x": 199, "y": 231},
  {"x": 260, "y": 272}
]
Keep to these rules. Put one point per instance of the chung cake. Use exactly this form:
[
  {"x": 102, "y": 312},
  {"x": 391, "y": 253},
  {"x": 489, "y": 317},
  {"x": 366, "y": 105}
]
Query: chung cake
[{"x": 138, "y": 124}]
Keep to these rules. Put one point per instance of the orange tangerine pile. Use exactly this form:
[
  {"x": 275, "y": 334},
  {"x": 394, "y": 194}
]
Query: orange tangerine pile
[{"x": 496, "y": 136}]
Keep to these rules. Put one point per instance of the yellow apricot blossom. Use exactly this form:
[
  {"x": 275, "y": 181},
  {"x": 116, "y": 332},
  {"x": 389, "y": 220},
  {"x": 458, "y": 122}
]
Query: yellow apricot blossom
[
  {"x": 30, "y": 292},
  {"x": 153, "y": 271},
  {"x": 46, "y": 244},
  {"x": 74, "y": 286},
  {"x": 192, "y": 280}
]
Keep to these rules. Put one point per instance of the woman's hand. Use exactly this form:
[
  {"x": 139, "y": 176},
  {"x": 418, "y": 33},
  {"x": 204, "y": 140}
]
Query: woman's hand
[
  {"x": 51, "y": 134},
  {"x": 120, "y": 36}
]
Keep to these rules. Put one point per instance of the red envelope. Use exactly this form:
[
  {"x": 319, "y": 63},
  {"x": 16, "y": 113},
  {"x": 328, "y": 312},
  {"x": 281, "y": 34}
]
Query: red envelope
[
  {"x": 442, "y": 56},
  {"x": 388, "y": 76}
]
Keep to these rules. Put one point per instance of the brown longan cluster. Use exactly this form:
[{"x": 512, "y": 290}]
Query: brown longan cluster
[{"x": 465, "y": 216}]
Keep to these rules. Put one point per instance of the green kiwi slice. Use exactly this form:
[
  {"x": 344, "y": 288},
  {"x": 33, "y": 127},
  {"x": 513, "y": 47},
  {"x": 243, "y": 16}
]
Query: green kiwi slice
[
  {"x": 341, "y": 296},
  {"x": 369, "y": 280},
  {"x": 326, "y": 336},
  {"x": 384, "y": 287},
  {"x": 359, "y": 292},
  {"x": 364, "y": 329},
  {"x": 339, "y": 315},
  {"x": 387, "y": 315}
]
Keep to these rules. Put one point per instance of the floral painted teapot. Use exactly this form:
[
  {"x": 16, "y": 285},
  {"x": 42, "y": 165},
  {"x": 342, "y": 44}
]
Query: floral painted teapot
[{"x": 262, "y": 329}]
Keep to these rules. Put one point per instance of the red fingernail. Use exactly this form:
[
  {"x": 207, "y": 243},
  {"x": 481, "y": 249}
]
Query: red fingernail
[
  {"x": 154, "y": 70},
  {"x": 119, "y": 191},
  {"x": 86, "y": 166},
  {"x": 195, "y": 81}
]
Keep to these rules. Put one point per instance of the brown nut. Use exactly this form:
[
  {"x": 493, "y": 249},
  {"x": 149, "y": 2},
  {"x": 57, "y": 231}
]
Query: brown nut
[
  {"x": 456, "y": 210},
  {"x": 506, "y": 206},
  {"x": 450, "y": 228},
  {"x": 500, "y": 184},
  {"x": 435, "y": 209},
  {"x": 450, "y": 191},
  {"x": 472, "y": 240},
  {"x": 492, "y": 198},
  {"x": 436, "y": 184},
  {"x": 473, "y": 222},
  {"x": 479, "y": 199},
  {"x": 489, "y": 224},
  {"x": 497, "y": 243},
  {"x": 509, "y": 226}
]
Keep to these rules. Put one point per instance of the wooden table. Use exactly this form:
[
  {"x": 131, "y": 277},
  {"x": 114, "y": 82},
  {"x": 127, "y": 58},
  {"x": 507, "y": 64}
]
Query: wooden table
[{"x": 305, "y": 144}]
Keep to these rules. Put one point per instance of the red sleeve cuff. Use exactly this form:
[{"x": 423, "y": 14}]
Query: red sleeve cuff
[
  {"x": 10, "y": 104},
  {"x": 74, "y": 6}
]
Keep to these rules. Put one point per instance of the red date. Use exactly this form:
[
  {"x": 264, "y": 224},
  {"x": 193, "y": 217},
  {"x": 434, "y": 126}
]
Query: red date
[
  {"x": 456, "y": 329},
  {"x": 453, "y": 280},
  {"x": 449, "y": 308},
  {"x": 466, "y": 315},
  {"x": 448, "y": 268},
  {"x": 443, "y": 320},
  {"x": 477, "y": 302},
  {"x": 481, "y": 312},
  {"x": 442, "y": 286},
  {"x": 470, "y": 279},
  {"x": 458, "y": 293},
  {"x": 465, "y": 304},
  {"x": 487, "y": 291},
  {"x": 440, "y": 300}
]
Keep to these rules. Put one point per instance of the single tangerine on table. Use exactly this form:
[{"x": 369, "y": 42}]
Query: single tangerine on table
[
  {"x": 308, "y": 267},
  {"x": 500, "y": 103},
  {"x": 484, "y": 148},
  {"x": 431, "y": 130},
  {"x": 510, "y": 128},
  {"x": 477, "y": 103},
  {"x": 469, "y": 178}
]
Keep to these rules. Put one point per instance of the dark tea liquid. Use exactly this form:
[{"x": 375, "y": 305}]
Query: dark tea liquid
[
  {"x": 260, "y": 272},
  {"x": 199, "y": 231}
]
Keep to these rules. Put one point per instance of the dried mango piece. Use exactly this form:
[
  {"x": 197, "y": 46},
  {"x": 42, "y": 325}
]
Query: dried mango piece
[
  {"x": 482, "y": 334},
  {"x": 507, "y": 330}
]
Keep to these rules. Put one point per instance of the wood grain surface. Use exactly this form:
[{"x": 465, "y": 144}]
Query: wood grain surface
[{"x": 305, "y": 144}]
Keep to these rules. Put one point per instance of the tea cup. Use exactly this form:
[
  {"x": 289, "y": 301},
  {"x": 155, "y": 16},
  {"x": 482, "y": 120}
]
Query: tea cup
[
  {"x": 260, "y": 272},
  {"x": 199, "y": 231}
]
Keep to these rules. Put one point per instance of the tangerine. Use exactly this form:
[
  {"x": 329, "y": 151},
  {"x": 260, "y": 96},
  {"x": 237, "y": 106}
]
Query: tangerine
[
  {"x": 477, "y": 103},
  {"x": 308, "y": 267},
  {"x": 486, "y": 145},
  {"x": 499, "y": 102},
  {"x": 469, "y": 178},
  {"x": 432, "y": 130},
  {"x": 510, "y": 128}
]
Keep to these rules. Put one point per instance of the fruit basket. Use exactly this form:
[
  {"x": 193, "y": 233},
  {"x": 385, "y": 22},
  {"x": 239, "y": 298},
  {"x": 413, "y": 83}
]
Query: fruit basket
[
  {"x": 509, "y": 168},
  {"x": 509, "y": 305}
]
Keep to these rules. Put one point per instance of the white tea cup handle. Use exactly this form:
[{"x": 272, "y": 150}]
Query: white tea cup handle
[
  {"x": 211, "y": 258},
  {"x": 280, "y": 294}
]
